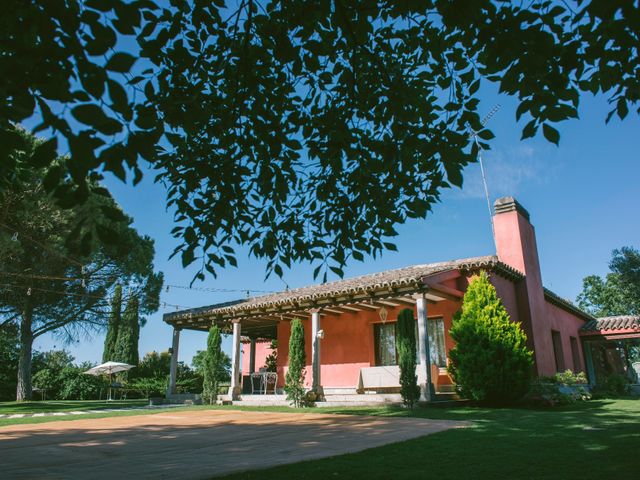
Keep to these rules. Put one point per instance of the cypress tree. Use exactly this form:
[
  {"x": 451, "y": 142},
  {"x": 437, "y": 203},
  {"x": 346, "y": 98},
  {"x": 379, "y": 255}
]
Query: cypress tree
[
  {"x": 126, "y": 350},
  {"x": 406, "y": 348},
  {"x": 294, "y": 379},
  {"x": 114, "y": 324},
  {"x": 491, "y": 361},
  {"x": 213, "y": 366}
]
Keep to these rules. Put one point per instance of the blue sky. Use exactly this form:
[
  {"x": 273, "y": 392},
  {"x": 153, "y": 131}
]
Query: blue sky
[{"x": 583, "y": 197}]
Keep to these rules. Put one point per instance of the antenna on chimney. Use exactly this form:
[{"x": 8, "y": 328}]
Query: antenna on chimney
[{"x": 474, "y": 135}]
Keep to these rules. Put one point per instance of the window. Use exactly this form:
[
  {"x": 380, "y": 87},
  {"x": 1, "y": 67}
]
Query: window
[
  {"x": 557, "y": 350},
  {"x": 575, "y": 353},
  {"x": 437, "y": 348},
  {"x": 385, "y": 343}
]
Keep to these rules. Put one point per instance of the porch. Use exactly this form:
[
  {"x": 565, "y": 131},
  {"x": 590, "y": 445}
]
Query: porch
[
  {"x": 612, "y": 347},
  {"x": 349, "y": 332}
]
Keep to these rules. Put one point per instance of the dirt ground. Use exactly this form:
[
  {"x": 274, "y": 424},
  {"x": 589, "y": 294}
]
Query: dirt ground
[{"x": 192, "y": 444}]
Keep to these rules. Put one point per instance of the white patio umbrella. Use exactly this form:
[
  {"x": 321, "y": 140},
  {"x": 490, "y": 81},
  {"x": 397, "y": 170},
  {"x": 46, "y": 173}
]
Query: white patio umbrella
[{"x": 109, "y": 368}]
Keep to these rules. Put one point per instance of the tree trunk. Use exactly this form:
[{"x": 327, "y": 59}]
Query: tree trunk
[{"x": 24, "y": 390}]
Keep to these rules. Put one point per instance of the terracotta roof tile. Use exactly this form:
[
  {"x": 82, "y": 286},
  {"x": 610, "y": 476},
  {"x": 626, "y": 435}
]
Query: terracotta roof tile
[
  {"x": 390, "y": 278},
  {"x": 620, "y": 322}
]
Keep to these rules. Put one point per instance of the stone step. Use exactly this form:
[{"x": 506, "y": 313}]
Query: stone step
[{"x": 366, "y": 397}]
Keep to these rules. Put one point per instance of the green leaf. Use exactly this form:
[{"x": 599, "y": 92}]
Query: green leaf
[
  {"x": 454, "y": 173},
  {"x": 551, "y": 133},
  {"x": 118, "y": 95},
  {"x": 92, "y": 115},
  {"x": 529, "y": 130},
  {"x": 622, "y": 107},
  {"x": 87, "y": 113},
  {"x": 486, "y": 134},
  {"x": 120, "y": 62},
  {"x": 390, "y": 246},
  {"x": 45, "y": 153}
]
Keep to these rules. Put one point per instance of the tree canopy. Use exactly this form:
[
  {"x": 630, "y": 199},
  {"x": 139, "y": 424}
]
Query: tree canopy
[
  {"x": 49, "y": 282},
  {"x": 305, "y": 130},
  {"x": 618, "y": 293}
]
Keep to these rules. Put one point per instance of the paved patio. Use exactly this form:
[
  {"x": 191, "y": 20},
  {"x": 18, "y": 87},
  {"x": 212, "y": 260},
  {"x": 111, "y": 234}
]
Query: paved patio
[{"x": 193, "y": 444}]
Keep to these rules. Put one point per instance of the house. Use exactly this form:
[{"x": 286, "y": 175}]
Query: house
[{"x": 350, "y": 324}]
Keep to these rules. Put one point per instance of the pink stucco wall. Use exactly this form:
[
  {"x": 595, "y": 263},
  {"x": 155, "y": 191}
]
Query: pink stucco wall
[
  {"x": 506, "y": 291},
  {"x": 568, "y": 325},
  {"x": 516, "y": 246},
  {"x": 348, "y": 344},
  {"x": 262, "y": 352}
]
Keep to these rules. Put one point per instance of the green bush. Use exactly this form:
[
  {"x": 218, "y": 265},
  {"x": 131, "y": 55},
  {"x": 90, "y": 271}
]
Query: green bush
[
  {"x": 614, "y": 385},
  {"x": 550, "y": 394},
  {"x": 569, "y": 378},
  {"x": 62, "y": 380},
  {"x": 294, "y": 379},
  {"x": 406, "y": 348},
  {"x": 9, "y": 349},
  {"x": 271, "y": 362},
  {"x": 77, "y": 385},
  {"x": 490, "y": 361},
  {"x": 147, "y": 387}
]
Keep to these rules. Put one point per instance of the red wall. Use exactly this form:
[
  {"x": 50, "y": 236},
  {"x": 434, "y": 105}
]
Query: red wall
[
  {"x": 569, "y": 326},
  {"x": 348, "y": 343},
  {"x": 516, "y": 246},
  {"x": 262, "y": 352}
]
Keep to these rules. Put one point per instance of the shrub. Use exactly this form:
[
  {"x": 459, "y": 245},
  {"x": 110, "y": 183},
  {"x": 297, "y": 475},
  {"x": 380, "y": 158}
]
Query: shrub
[
  {"x": 569, "y": 378},
  {"x": 271, "y": 362},
  {"x": 614, "y": 385},
  {"x": 78, "y": 386},
  {"x": 490, "y": 362},
  {"x": 406, "y": 348},
  {"x": 294, "y": 379},
  {"x": 147, "y": 387},
  {"x": 550, "y": 394}
]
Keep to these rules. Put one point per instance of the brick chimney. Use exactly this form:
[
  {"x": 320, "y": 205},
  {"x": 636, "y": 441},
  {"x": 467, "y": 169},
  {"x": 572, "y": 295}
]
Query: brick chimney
[{"x": 516, "y": 246}]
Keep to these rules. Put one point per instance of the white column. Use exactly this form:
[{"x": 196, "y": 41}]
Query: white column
[
  {"x": 234, "y": 389},
  {"x": 316, "y": 334},
  {"x": 173, "y": 369},
  {"x": 252, "y": 355},
  {"x": 426, "y": 389}
]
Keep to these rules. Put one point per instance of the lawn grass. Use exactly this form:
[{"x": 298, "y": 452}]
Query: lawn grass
[
  {"x": 66, "y": 405},
  {"x": 596, "y": 439},
  {"x": 124, "y": 413}
]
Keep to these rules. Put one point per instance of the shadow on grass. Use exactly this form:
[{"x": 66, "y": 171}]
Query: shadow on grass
[
  {"x": 193, "y": 445},
  {"x": 592, "y": 439},
  {"x": 597, "y": 439}
]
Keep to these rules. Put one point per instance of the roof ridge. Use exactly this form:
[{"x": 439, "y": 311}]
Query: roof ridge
[{"x": 398, "y": 277}]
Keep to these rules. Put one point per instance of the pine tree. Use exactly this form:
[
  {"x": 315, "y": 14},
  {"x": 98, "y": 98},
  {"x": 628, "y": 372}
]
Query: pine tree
[
  {"x": 491, "y": 361},
  {"x": 213, "y": 366},
  {"x": 126, "y": 350},
  {"x": 406, "y": 348},
  {"x": 294, "y": 379},
  {"x": 114, "y": 324}
]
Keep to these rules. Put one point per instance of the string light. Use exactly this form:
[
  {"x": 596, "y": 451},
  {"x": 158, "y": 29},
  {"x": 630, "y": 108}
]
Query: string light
[
  {"x": 219, "y": 290},
  {"x": 55, "y": 252},
  {"x": 30, "y": 290}
]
